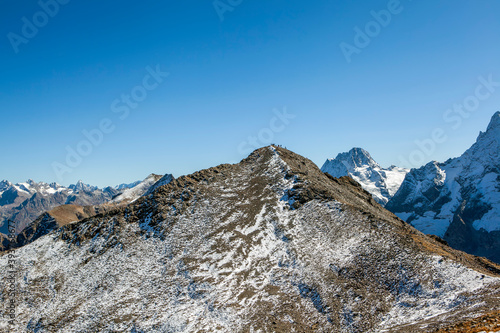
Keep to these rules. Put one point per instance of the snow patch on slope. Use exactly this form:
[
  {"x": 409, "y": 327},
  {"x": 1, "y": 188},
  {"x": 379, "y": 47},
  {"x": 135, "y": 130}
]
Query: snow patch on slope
[{"x": 134, "y": 193}]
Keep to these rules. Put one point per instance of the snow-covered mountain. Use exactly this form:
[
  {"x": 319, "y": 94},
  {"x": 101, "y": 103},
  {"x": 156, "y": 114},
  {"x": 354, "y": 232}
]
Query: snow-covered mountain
[
  {"x": 458, "y": 200},
  {"x": 133, "y": 193},
  {"x": 22, "y": 203},
  {"x": 124, "y": 186},
  {"x": 381, "y": 183},
  {"x": 271, "y": 244},
  {"x": 79, "y": 201}
]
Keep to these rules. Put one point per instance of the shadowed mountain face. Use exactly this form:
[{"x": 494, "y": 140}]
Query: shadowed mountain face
[
  {"x": 458, "y": 200},
  {"x": 270, "y": 244}
]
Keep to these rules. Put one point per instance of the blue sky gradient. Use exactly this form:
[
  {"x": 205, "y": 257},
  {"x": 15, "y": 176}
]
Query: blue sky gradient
[{"x": 227, "y": 76}]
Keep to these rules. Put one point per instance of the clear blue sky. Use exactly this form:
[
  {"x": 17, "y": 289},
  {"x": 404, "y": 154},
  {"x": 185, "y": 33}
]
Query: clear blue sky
[{"x": 227, "y": 76}]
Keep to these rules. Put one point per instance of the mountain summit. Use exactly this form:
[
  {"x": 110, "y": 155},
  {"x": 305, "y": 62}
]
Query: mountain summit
[
  {"x": 494, "y": 123},
  {"x": 271, "y": 244},
  {"x": 458, "y": 200},
  {"x": 359, "y": 165}
]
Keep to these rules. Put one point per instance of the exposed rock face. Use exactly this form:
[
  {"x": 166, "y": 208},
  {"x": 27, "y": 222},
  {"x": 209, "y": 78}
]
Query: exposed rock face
[
  {"x": 53, "y": 220},
  {"x": 458, "y": 200},
  {"x": 381, "y": 183},
  {"x": 271, "y": 244}
]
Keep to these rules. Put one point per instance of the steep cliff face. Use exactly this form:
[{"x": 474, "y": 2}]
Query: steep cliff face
[
  {"x": 458, "y": 200},
  {"x": 269, "y": 244}
]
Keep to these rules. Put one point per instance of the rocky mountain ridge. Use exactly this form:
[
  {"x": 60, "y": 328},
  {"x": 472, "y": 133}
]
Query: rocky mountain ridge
[{"x": 269, "y": 244}]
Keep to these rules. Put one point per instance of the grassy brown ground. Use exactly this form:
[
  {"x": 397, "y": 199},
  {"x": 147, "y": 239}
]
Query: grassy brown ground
[{"x": 487, "y": 323}]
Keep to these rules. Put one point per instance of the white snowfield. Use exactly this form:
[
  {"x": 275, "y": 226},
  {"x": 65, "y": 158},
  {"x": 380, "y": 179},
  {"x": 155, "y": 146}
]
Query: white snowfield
[{"x": 226, "y": 261}]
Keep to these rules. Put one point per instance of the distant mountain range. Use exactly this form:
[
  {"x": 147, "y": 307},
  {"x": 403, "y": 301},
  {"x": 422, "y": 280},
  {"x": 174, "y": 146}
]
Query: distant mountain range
[
  {"x": 458, "y": 200},
  {"x": 271, "y": 244},
  {"x": 50, "y": 219},
  {"x": 22, "y": 203}
]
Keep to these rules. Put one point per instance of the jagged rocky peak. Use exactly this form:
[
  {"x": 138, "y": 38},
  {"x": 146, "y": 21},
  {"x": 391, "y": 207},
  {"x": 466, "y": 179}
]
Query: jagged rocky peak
[
  {"x": 55, "y": 185},
  {"x": 361, "y": 157},
  {"x": 458, "y": 200},
  {"x": 4, "y": 184},
  {"x": 358, "y": 164},
  {"x": 355, "y": 158},
  {"x": 487, "y": 143},
  {"x": 269, "y": 244},
  {"x": 494, "y": 124},
  {"x": 80, "y": 186}
]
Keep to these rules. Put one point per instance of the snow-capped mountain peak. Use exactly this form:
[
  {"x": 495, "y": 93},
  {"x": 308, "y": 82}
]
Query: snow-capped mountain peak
[
  {"x": 458, "y": 200},
  {"x": 4, "y": 184},
  {"x": 494, "y": 124},
  {"x": 354, "y": 158},
  {"x": 80, "y": 186},
  {"x": 359, "y": 165}
]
